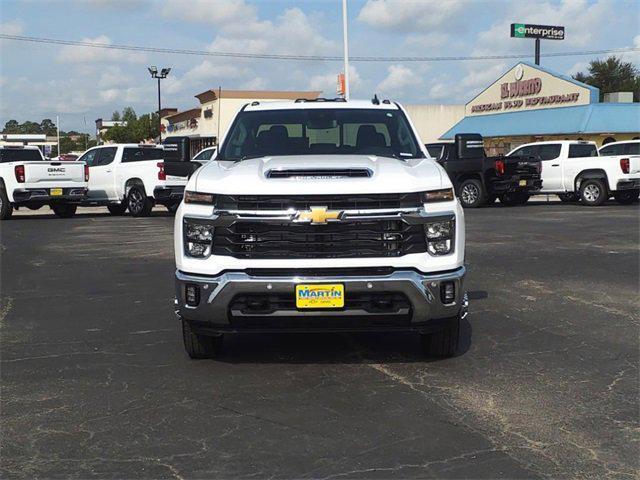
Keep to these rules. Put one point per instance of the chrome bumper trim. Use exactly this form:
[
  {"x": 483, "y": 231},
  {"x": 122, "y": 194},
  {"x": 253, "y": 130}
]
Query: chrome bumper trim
[{"x": 422, "y": 290}]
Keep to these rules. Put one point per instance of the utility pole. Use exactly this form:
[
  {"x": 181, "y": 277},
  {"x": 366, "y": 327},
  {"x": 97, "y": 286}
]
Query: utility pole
[
  {"x": 537, "y": 51},
  {"x": 58, "y": 132},
  {"x": 161, "y": 75},
  {"x": 346, "y": 49}
]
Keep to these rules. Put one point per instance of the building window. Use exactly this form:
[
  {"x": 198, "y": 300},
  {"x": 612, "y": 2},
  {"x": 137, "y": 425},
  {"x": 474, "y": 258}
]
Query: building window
[
  {"x": 608, "y": 140},
  {"x": 208, "y": 114}
]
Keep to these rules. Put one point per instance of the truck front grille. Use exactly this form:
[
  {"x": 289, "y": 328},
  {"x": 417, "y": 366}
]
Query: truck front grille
[
  {"x": 332, "y": 202},
  {"x": 371, "y": 238}
]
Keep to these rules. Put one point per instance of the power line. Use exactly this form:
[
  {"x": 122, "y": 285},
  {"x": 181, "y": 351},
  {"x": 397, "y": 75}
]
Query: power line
[{"x": 317, "y": 58}]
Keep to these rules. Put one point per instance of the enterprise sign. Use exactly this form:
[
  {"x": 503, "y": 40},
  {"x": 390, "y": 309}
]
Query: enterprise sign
[{"x": 546, "y": 32}]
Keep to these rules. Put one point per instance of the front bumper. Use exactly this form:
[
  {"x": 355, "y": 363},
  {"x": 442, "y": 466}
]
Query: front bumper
[
  {"x": 43, "y": 195},
  {"x": 423, "y": 308},
  {"x": 628, "y": 184},
  {"x": 512, "y": 184},
  {"x": 168, "y": 194}
]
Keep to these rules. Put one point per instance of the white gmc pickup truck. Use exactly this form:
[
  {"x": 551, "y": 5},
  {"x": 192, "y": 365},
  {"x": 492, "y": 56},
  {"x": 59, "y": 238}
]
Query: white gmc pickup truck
[
  {"x": 574, "y": 170},
  {"x": 131, "y": 176},
  {"x": 27, "y": 180},
  {"x": 320, "y": 216}
]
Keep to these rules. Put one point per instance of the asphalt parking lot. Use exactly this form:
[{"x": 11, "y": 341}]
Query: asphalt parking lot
[{"x": 95, "y": 382}]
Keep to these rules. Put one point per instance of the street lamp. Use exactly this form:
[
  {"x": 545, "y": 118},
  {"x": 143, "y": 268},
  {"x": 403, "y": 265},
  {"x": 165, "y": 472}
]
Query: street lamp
[{"x": 163, "y": 74}]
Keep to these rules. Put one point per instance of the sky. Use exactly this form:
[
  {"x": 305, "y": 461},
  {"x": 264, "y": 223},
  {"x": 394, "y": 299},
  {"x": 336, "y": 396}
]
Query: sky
[{"x": 81, "y": 84}]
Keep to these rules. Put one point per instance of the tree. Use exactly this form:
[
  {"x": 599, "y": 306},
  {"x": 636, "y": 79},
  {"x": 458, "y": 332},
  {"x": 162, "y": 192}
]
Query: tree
[
  {"x": 11, "y": 126},
  {"x": 135, "y": 130},
  {"x": 612, "y": 75},
  {"x": 115, "y": 116},
  {"x": 129, "y": 114},
  {"x": 48, "y": 127}
]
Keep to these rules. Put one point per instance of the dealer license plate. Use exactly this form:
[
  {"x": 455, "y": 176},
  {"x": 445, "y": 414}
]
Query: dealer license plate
[
  {"x": 523, "y": 183},
  {"x": 56, "y": 192},
  {"x": 320, "y": 296}
]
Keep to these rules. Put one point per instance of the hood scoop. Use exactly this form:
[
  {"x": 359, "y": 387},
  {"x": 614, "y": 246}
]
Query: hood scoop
[{"x": 319, "y": 173}]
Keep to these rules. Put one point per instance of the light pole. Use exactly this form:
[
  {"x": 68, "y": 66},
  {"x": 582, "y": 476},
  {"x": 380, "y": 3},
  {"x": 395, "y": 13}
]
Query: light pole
[{"x": 162, "y": 74}]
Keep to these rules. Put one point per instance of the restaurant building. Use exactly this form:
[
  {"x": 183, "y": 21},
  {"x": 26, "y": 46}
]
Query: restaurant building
[{"x": 530, "y": 103}]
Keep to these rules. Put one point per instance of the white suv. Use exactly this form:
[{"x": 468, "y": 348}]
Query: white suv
[{"x": 320, "y": 216}]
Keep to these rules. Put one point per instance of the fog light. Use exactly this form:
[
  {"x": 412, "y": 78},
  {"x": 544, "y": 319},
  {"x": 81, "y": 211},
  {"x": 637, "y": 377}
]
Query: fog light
[
  {"x": 439, "y": 247},
  {"x": 447, "y": 292},
  {"x": 192, "y": 294}
]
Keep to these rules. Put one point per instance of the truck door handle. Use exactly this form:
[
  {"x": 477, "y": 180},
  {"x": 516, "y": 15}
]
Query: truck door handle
[
  {"x": 555, "y": 164},
  {"x": 108, "y": 171}
]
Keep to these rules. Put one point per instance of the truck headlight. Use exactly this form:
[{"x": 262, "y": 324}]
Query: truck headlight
[
  {"x": 443, "y": 195},
  {"x": 198, "y": 238},
  {"x": 440, "y": 235},
  {"x": 200, "y": 198}
]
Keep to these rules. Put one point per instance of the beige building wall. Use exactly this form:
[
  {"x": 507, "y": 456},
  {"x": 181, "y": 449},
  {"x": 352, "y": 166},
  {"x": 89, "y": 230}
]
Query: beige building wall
[{"x": 431, "y": 121}]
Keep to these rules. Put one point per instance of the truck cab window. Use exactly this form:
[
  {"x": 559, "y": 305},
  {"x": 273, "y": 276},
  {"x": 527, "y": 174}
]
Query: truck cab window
[
  {"x": 90, "y": 157},
  {"x": 106, "y": 156},
  {"x": 582, "y": 150},
  {"x": 549, "y": 151}
]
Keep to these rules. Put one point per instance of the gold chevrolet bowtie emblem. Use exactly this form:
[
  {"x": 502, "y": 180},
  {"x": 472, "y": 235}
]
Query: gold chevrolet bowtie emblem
[{"x": 318, "y": 215}]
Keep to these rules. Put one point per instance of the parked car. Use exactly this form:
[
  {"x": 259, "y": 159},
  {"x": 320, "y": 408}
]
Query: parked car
[
  {"x": 628, "y": 189},
  {"x": 479, "y": 179},
  {"x": 67, "y": 157},
  {"x": 320, "y": 216},
  {"x": 573, "y": 169},
  {"x": 27, "y": 180},
  {"x": 133, "y": 177}
]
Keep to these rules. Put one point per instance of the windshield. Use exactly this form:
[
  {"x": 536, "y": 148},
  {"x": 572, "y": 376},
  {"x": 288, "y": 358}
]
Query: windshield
[
  {"x": 320, "y": 132},
  {"x": 19, "y": 155}
]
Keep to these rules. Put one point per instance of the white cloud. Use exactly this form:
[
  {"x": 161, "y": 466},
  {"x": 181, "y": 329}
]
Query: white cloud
[
  {"x": 408, "y": 16},
  {"x": 220, "y": 13},
  {"x": 14, "y": 27},
  {"x": 399, "y": 78},
  {"x": 291, "y": 33},
  {"x": 578, "y": 67},
  {"x": 87, "y": 54}
]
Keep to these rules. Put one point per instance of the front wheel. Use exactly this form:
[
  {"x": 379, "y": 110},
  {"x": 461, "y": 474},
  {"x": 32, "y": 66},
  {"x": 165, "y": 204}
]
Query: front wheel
[
  {"x": 64, "y": 211},
  {"x": 627, "y": 197},
  {"x": 6, "y": 209},
  {"x": 199, "y": 346},
  {"x": 138, "y": 203},
  {"x": 593, "y": 192},
  {"x": 472, "y": 193},
  {"x": 443, "y": 343}
]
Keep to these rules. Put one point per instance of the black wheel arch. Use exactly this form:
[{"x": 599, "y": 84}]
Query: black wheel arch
[
  {"x": 135, "y": 181},
  {"x": 591, "y": 173},
  {"x": 461, "y": 177}
]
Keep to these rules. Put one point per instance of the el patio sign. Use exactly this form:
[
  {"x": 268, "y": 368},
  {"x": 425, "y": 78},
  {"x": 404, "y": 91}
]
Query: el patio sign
[{"x": 546, "y": 32}]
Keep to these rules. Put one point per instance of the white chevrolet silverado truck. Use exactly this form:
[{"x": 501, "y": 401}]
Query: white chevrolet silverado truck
[
  {"x": 133, "y": 177},
  {"x": 27, "y": 180},
  {"x": 574, "y": 170},
  {"x": 320, "y": 216}
]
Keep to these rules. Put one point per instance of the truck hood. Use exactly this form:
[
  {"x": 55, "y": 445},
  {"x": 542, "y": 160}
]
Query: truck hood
[{"x": 387, "y": 175}]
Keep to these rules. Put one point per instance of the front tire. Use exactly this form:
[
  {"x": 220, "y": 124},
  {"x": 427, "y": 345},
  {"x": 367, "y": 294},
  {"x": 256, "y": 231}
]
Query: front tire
[
  {"x": 593, "y": 192},
  {"x": 443, "y": 343},
  {"x": 64, "y": 211},
  {"x": 117, "y": 209},
  {"x": 199, "y": 346},
  {"x": 6, "y": 209},
  {"x": 138, "y": 203},
  {"x": 627, "y": 197},
  {"x": 472, "y": 194}
]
